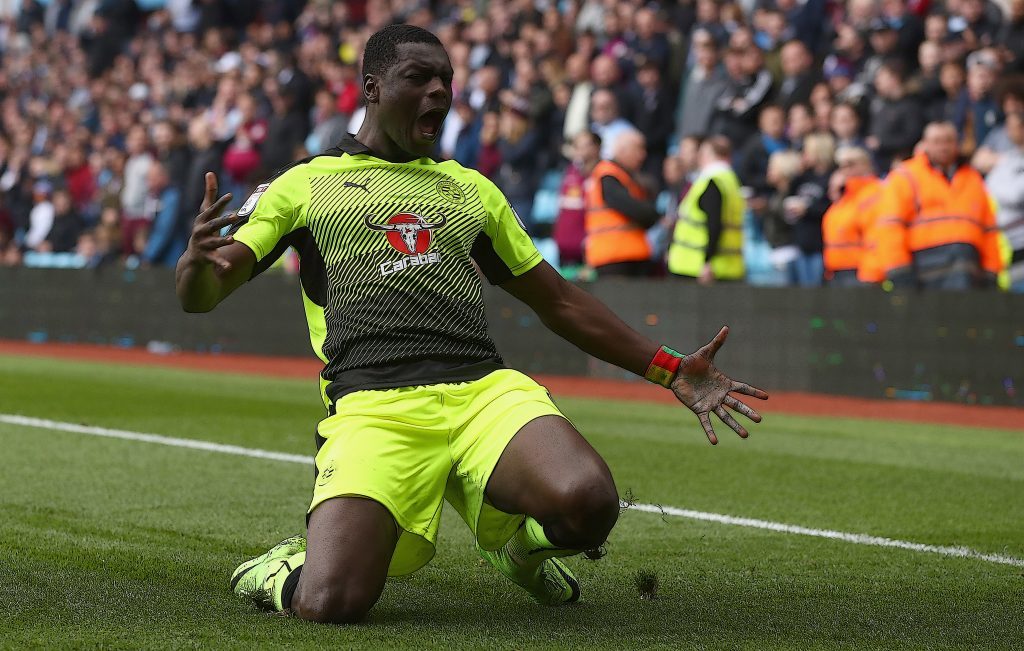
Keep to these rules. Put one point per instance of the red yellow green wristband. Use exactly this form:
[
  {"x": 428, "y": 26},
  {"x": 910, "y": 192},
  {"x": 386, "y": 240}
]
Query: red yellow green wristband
[{"x": 663, "y": 367}]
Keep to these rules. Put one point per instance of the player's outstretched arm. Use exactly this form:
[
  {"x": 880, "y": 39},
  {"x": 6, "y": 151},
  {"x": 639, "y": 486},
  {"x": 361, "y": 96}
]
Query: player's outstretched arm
[
  {"x": 583, "y": 320},
  {"x": 212, "y": 266}
]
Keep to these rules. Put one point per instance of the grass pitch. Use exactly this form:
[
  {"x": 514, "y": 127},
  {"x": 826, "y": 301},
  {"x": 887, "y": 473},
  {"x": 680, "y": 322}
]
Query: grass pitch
[{"x": 120, "y": 544}]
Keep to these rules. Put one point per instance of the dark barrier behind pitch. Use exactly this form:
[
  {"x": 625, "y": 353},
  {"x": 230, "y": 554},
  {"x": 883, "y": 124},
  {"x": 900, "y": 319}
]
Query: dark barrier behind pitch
[{"x": 966, "y": 347}]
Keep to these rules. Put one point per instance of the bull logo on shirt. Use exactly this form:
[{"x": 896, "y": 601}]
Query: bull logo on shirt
[
  {"x": 407, "y": 233},
  {"x": 410, "y": 235}
]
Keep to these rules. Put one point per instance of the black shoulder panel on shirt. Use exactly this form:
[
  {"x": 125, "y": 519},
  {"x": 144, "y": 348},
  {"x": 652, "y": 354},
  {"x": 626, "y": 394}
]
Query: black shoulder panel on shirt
[
  {"x": 489, "y": 261},
  {"x": 312, "y": 268}
]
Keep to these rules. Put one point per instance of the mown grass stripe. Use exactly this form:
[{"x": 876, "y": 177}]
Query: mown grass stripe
[{"x": 779, "y": 527}]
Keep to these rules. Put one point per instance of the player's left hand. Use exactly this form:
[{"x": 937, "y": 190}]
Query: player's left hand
[{"x": 705, "y": 390}]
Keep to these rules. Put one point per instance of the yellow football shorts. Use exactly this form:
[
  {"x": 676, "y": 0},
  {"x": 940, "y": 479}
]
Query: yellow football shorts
[{"x": 411, "y": 448}]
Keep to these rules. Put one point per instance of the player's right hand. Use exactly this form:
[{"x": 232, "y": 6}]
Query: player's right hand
[{"x": 206, "y": 239}]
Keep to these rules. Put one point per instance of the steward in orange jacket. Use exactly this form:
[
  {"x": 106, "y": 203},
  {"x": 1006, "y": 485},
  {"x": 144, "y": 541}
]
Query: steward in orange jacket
[
  {"x": 936, "y": 228},
  {"x": 619, "y": 212},
  {"x": 856, "y": 192}
]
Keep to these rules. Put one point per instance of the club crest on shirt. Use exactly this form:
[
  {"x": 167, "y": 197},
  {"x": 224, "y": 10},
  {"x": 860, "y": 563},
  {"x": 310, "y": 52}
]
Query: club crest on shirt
[
  {"x": 411, "y": 235},
  {"x": 450, "y": 191},
  {"x": 254, "y": 198}
]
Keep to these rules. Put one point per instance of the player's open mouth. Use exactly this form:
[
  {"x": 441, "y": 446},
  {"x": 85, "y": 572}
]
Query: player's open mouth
[{"x": 429, "y": 124}]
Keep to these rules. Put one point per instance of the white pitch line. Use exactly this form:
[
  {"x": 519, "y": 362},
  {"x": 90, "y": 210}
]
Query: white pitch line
[{"x": 781, "y": 527}]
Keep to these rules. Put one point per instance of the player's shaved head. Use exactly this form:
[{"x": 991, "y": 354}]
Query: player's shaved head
[{"x": 382, "y": 48}]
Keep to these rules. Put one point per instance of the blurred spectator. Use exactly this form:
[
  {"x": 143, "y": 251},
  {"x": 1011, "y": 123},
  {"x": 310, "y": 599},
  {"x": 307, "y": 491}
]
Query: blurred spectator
[
  {"x": 205, "y": 156},
  {"x": 328, "y": 124},
  {"x": 570, "y": 224},
  {"x": 798, "y": 76},
  {"x": 577, "y": 71},
  {"x": 952, "y": 78},
  {"x": 608, "y": 123},
  {"x": 806, "y": 206},
  {"x": 895, "y": 118},
  {"x": 619, "y": 211},
  {"x": 708, "y": 241},
  {"x": 1011, "y": 100},
  {"x": 750, "y": 85},
  {"x": 799, "y": 124},
  {"x": 489, "y": 156},
  {"x": 702, "y": 89},
  {"x": 520, "y": 168},
  {"x": 1006, "y": 184},
  {"x": 844, "y": 124},
  {"x": 133, "y": 194},
  {"x": 783, "y": 168},
  {"x": 67, "y": 225},
  {"x": 653, "y": 115},
  {"x": 1011, "y": 37},
  {"x": 167, "y": 233},
  {"x": 40, "y": 220},
  {"x": 936, "y": 228},
  {"x": 976, "y": 112},
  {"x": 855, "y": 192},
  {"x": 753, "y": 158}
]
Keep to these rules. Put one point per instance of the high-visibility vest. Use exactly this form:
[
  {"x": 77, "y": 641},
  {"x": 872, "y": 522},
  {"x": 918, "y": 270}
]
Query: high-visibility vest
[
  {"x": 845, "y": 228},
  {"x": 611, "y": 236},
  {"x": 690, "y": 240},
  {"x": 920, "y": 209}
]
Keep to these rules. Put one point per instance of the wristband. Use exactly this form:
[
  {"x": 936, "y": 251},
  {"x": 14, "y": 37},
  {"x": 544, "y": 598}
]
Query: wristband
[{"x": 663, "y": 367}]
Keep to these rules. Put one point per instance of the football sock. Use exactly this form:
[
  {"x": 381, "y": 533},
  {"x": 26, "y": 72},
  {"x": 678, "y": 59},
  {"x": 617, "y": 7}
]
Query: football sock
[
  {"x": 529, "y": 546},
  {"x": 283, "y": 582}
]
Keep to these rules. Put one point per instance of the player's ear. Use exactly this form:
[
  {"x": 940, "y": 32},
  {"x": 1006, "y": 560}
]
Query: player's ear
[{"x": 371, "y": 89}]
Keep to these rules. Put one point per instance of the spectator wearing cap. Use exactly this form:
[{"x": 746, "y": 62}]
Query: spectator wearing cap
[
  {"x": 619, "y": 211},
  {"x": 750, "y": 86},
  {"x": 707, "y": 243},
  {"x": 704, "y": 85},
  {"x": 1006, "y": 184},
  {"x": 798, "y": 75},
  {"x": 607, "y": 121},
  {"x": 976, "y": 112},
  {"x": 884, "y": 41},
  {"x": 895, "y": 118}
]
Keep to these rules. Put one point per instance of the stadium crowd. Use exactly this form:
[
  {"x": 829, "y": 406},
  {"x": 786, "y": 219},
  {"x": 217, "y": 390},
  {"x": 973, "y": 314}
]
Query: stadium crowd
[{"x": 784, "y": 142}]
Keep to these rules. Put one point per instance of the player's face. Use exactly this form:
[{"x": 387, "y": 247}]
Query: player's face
[{"x": 415, "y": 96}]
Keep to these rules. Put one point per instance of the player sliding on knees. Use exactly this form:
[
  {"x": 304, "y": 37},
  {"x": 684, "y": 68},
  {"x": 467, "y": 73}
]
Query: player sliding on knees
[{"x": 420, "y": 407}]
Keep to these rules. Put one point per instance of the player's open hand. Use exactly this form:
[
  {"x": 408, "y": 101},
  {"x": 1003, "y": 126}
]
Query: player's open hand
[
  {"x": 705, "y": 390},
  {"x": 205, "y": 240}
]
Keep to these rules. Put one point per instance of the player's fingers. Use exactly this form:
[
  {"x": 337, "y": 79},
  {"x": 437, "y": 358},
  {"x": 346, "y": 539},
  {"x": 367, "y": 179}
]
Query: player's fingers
[
  {"x": 705, "y": 421},
  {"x": 211, "y": 190},
  {"x": 717, "y": 342},
  {"x": 746, "y": 389},
  {"x": 214, "y": 243},
  {"x": 214, "y": 210},
  {"x": 215, "y": 225},
  {"x": 730, "y": 421},
  {"x": 735, "y": 404}
]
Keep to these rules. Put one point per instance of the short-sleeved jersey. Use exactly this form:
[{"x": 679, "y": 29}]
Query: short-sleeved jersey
[{"x": 386, "y": 254}]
